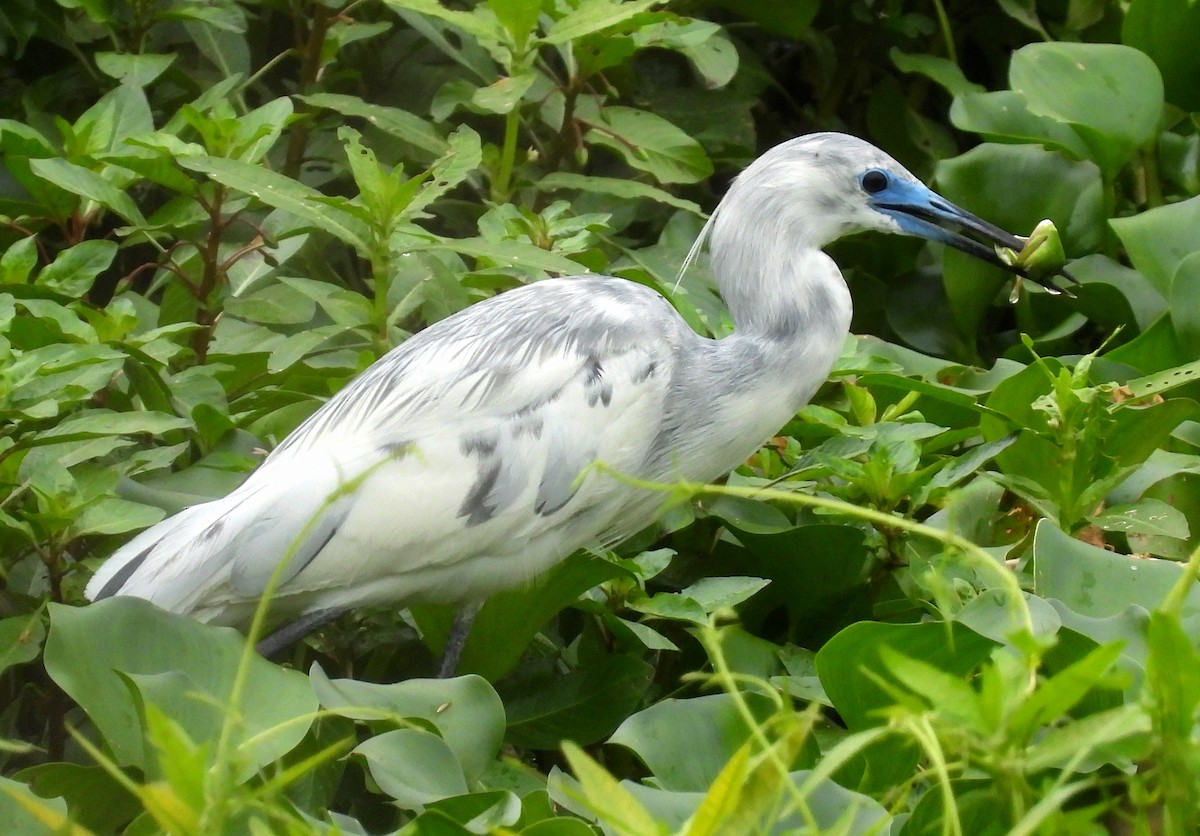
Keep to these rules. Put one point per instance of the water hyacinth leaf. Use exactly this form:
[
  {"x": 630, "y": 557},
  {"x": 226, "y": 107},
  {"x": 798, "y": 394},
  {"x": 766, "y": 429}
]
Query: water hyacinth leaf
[
  {"x": 123, "y": 637},
  {"x": 413, "y": 766},
  {"x": 508, "y": 621},
  {"x": 1112, "y": 94},
  {"x": 26, "y": 814},
  {"x": 1097, "y": 583},
  {"x": 1185, "y": 314},
  {"x": 1015, "y": 187},
  {"x": 1002, "y": 116},
  {"x": 848, "y": 662},
  {"x": 584, "y": 704},
  {"x": 1159, "y": 239},
  {"x": 466, "y": 711},
  {"x": 686, "y": 743},
  {"x": 1168, "y": 31},
  {"x": 1148, "y": 516}
]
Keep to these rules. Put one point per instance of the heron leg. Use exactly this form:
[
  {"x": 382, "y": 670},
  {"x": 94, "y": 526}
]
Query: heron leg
[
  {"x": 457, "y": 640},
  {"x": 283, "y": 638}
]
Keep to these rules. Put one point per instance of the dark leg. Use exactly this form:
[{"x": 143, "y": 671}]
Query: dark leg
[
  {"x": 286, "y": 636},
  {"x": 457, "y": 640}
]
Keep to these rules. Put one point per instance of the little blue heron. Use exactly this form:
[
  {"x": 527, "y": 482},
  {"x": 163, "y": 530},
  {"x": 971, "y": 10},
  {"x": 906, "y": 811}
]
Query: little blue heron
[{"x": 460, "y": 463}]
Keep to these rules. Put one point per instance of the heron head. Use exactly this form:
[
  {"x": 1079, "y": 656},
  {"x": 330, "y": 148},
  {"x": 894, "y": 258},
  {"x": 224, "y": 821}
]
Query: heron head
[{"x": 827, "y": 185}]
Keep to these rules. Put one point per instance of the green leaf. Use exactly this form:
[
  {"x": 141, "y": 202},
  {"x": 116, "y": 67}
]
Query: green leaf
[
  {"x": 1158, "y": 240},
  {"x": 848, "y": 662},
  {"x": 137, "y": 69},
  {"x": 21, "y": 639},
  {"x": 1185, "y": 289},
  {"x": 19, "y": 261},
  {"x": 100, "y": 422},
  {"x": 1147, "y": 516},
  {"x": 74, "y": 270},
  {"x": 607, "y": 798},
  {"x": 519, "y": 17},
  {"x": 1112, "y": 94},
  {"x": 686, "y": 743},
  {"x": 940, "y": 70},
  {"x": 585, "y": 704},
  {"x": 186, "y": 668},
  {"x": 391, "y": 120},
  {"x": 1168, "y": 31},
  {"x": 632, "y": 190},
  {"x": 465, "y": 710},
  {"x": 88, "y": 185},
  {"x": 1098, "y": 583},
  {"x": 650, "y": 143},
  {"x": 27, "y": 814},
  {"x": 592, "y": 16},
  {"x": 413, "y": 766},
  {"x": 282, "y": 193}
]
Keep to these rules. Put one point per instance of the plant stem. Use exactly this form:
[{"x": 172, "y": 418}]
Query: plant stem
[
  {"x": 508, "y": 155},
  {"x": 311, "y": 48}
]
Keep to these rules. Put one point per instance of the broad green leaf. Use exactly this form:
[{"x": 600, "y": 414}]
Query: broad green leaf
[
  {"x": 413, "y": 766},
  {"x": 1158, "y": 240},
  {"x": 1015, "y": 187},
  {"x": 1185, "y": 290},
  {"x": 519, "y": 17},
  {"x": 1003, "y": 116},
  {"x": 686, "y": 743},
  {"x": 27, "y": 814},
  {"x": 1168, "y": 31},
  {"x": 504, "y": 94},
  {"x": 584, "y": 704},
  {"x": 848, "y": 662},
  {"x": 1098, "y": 583},
  {"x": 1148, "y": 516},
  {"x": 88, "y": 185},
  {"x": 650, "y": 143},
  {"x": 191, "y": 668},
  {"x": 465, "y": 710},
  {"x": 94, "y": 798},
  {"x": 941, "y": 70},
  {"x": 1112, "y": 94}
]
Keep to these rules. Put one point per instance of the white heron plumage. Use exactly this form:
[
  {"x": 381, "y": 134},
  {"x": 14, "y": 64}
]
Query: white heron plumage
[{"x": 460, "y": 463}]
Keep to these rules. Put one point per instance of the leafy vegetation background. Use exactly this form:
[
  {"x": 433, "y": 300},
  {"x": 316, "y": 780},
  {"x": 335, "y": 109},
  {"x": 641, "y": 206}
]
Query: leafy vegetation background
[{"x": 956, "y": 595}]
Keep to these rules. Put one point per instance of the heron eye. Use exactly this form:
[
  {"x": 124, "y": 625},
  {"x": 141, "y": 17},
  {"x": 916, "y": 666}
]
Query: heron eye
[{"x": 874, "y": 181}]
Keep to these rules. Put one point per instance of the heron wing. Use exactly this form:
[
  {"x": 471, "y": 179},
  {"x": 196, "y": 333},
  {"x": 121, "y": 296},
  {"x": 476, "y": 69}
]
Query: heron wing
[{"x": 472, "y": 433}]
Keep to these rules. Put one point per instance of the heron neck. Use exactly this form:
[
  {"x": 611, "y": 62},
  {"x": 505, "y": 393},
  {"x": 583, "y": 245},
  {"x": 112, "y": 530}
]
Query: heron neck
[{"x": 797, "y": 298}]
